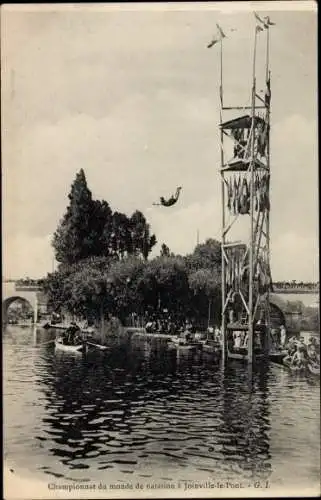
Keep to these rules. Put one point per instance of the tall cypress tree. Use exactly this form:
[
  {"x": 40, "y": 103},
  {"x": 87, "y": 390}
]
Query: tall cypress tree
[{"x": 74, "y": 239}]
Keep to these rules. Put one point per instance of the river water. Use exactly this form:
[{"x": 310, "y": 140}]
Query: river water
[{"x": 132, "y": 415}]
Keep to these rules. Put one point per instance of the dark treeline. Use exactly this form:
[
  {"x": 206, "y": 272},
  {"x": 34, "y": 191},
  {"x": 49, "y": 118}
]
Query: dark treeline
[{"x": 104, "y": 266}]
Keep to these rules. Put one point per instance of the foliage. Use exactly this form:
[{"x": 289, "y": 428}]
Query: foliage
[
  {"x": 165, "y": 285},
  {"x": 142, "y": 241},
  {"x": 74, "y": 238},
  {"x": 205, "y": 280},
  {"x": 165, "y": 251},
  {"x": 79, "y": 288},
  {"x": 206, "y": 287},
  {"x": 205, "y": 256},
  {"x": 124, "y": 278}
]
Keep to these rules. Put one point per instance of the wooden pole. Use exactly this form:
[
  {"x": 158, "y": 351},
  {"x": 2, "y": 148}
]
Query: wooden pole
[
  {"x": 254, "y": 64},
  {"x": 35, "y": 310},
  {"x": 223, "y": 291},
  {"x": 102, "y": 323},
  {"x": 250, "y": 326},
  {"x": 267, "y": 119},
  {"x": 221, "y": 73},
  {"x": 267, "y": 54}
]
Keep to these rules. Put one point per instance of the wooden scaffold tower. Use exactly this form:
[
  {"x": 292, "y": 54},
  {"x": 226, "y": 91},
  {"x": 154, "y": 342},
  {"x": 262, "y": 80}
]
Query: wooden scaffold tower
[{"x": 245, "y": 188}]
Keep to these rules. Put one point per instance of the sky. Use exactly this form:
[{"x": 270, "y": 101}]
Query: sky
[{"x": 130, "y": 94}]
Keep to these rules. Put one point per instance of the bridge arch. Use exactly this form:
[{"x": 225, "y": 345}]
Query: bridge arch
[
  {"x": 11, "y": 291},
  {"x": 6, "y": 303},
  {"x": 284, "y": 312}
]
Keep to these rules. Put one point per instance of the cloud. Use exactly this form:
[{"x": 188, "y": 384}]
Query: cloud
[
  {"x": 294, "y": 176},
  {"x": 295, "y": 256}
]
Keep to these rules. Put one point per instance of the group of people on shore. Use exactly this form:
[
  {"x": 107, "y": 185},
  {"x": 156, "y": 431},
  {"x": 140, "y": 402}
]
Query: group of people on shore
[
  {"x": 183, "y": 328},
  {"x": 168, "y": 326}
]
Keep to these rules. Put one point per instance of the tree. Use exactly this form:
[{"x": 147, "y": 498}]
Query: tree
[
  {"x": 142, "y": 241},
  {"x": 101, "y": 219},
  {"x": 206, "y": 287},
  {"x": 75, "y": 238},
  {"x": 125, "y": 285},
  {"x": 120, "y": 242},
  {"x": 165, "y": 285},
  {"x": 165, "y": 251},
  {"x": 205, "y": 256},
  {"x": 79, "y": 288},
  {"x": 131, "y": 236},
  {"x": 90, "y": 295}
]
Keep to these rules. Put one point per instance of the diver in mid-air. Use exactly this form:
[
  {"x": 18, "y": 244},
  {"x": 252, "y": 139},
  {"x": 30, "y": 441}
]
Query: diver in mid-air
[{"x": 171, "y": 201}]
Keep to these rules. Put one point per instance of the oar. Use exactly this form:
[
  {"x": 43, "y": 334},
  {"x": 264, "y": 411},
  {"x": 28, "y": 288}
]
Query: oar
[
  {"x": 45, "y": 343},
  {"x": 101, "y": 347}
]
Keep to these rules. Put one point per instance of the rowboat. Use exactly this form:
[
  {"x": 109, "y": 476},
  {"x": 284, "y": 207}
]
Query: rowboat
[
  {"x": 171, "y": 346},
  {"x": 79, "y": 348},
  {"x": 44, "y": 324},
  {"x": 185, "y": 348},
  {"x": 314, "y": 369},
  {"x": 182, "y": 345},
  {"x": 211, "y": 347},
  {"x": 277, "y": 356},
  {"x": 294, "y": 368},
  {"x": 242, "y": 354}
]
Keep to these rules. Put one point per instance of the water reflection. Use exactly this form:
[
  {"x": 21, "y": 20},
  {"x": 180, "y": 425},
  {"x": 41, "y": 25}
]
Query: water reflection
[
  {"x": 127, "y": 409},
  {"x": 140, "y": 412}
]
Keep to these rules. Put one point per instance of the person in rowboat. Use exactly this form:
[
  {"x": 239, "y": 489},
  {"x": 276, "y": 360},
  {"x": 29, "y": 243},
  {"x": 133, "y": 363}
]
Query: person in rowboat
[
  {"x": 312, "y": 352},
  {"x": 299, "y": 358},
  {"x": 71, "y": 332},
  {"x": 283, "y": 336}
]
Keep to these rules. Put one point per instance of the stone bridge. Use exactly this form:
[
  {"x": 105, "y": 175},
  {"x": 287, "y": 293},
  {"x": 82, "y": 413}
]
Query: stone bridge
[{"x": 12, "y": 291}]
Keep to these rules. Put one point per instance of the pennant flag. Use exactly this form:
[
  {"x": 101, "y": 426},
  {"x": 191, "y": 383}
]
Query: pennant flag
[
  {"x": 218, "y": 37},
  {"x": 264, "y": 22},
  {"x": 257, "y": 17},
  {"x": 268, "y": 22},
  {"x": 219, "y": 29}
]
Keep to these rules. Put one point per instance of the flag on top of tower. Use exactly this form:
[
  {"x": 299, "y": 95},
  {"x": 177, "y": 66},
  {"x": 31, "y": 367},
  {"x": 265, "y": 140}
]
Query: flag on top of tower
[
  {"x": 218, "y": 37},
  {"x": 268, "y": 21},
  {"x": 259, "y": 19},
  {"x": 264, "y": 23}
]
